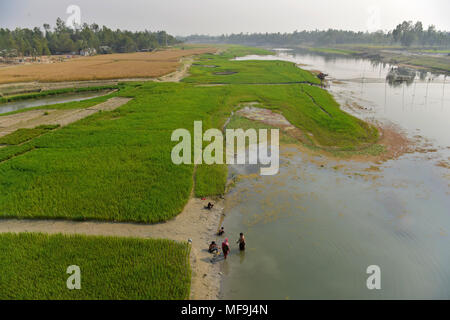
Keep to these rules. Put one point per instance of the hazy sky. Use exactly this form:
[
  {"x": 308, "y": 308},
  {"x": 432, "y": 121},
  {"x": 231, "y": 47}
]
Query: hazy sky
[{"x": 183, "y": 17}]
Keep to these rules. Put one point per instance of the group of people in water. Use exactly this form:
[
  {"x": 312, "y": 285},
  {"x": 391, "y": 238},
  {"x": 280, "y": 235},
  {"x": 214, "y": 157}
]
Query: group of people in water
[{"x": 214, "y": 248}]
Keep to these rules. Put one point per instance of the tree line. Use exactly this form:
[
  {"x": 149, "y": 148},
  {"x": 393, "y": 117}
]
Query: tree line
[
  {"x": 406, "y": 34},
  {"x": 63, "y": 40}
]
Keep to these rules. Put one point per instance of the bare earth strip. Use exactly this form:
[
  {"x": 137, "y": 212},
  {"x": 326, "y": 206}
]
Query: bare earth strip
[
  {"x": 181, "y": 72},
  {"x": 33, "y": 118},
  {"x": 195, "y": 223}
]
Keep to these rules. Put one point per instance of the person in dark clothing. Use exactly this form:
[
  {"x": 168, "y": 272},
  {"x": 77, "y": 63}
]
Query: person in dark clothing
[
  {"x": 241, "y": 241},
  {"x": 221, "y": 231},
  {"x": 209, "y": 206},
  {"x": 213, "y": 247},
  {"x": 225, "y": 248}
]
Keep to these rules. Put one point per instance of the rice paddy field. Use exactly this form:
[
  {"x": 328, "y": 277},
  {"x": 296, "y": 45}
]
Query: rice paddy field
[
  {"x": 101, "y": 67},
  {"x": 221, "y": 69},
  {"x": 22, "y": 135},
  {"x": 116, "y": 165},
  {"x": 34, "y": 267}
]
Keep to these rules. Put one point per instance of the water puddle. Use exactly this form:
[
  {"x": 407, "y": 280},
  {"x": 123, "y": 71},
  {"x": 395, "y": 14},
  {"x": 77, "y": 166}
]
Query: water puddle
[{"x": 29, "y": 103}]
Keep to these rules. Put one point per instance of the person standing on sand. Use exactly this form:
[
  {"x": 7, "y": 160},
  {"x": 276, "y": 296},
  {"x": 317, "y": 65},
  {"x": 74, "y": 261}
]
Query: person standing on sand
[
  {"x": 225, "y": 248},
  {"x": 241, "y": 242}
]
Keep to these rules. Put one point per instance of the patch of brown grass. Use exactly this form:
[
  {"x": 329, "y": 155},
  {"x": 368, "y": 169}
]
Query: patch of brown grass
[{"x": 102, "y": 67}]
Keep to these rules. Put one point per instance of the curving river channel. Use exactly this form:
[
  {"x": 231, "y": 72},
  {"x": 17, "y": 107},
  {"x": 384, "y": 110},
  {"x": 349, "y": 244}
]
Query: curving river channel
[{"x": 313, "y": 229}]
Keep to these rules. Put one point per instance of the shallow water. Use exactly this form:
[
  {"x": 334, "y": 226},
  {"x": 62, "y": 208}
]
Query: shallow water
[
  {"x": 61, "y": 98},
  {"x": 313, "y": 229}
]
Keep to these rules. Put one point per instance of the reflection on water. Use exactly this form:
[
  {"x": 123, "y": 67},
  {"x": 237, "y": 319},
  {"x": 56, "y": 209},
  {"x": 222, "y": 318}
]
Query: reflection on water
[
  {"x": 345, "y": 68},
  {"x": 313, "y": 229},
  {"x": 62, "y": 98}
]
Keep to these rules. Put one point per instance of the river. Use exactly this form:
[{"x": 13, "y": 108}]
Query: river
[
  {"x": 48, "y": 100},
  {"x": 313, "y": 229}
]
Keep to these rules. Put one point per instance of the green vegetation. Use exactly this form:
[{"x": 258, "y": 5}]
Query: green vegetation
[
  {"x": 407, "y": 33},
  {"x": 13, "y": 151},
  {"x": 34, "y": 267},
  {"x": 432, "y": 51},
  {"x": 22, "y": 135},
  {"x": 441, "y": 64},
  {"x": 333, "y": 51},
  {"x": 393, "y": 55},
  {"x": 117, "y": 165},
  {"x": 46, "y": 93},
  {"x": 217, "y": 69},
  {"x": 210, "y": 180},
  {"x": 65, "y": 40}
]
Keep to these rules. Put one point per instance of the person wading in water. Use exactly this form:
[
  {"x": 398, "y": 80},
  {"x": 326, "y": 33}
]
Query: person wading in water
[
  {"x": 225, "y": 248},
  {"x": 241, "y": 241}
]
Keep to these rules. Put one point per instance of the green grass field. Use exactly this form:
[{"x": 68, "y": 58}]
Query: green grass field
[
  {"x": 227, "y": 71},
  {"x": 333, "y": 51},
  {"x": 47, "y": 93},
  {"x": 117, "y": 165},
  {"x": 33, "y": 266},
  {"x": 22, "y": 135}
]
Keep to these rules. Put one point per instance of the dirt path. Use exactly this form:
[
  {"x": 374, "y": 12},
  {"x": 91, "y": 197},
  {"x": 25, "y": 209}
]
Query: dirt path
[
  {"x": 33, "y": 118},
  {"x": 181, "y": 72},
  {"x": 194, "y": 223}
]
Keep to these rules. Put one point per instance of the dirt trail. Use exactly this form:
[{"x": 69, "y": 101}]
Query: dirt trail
[
  {"x": 33, "y": 118},
  {"x": 181, "y": 72},
  {"x": 194, "y": 223}
]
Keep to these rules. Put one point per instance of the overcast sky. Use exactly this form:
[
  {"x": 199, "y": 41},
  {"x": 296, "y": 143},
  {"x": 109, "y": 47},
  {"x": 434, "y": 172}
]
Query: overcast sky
[{"x": 184, "y": 17}]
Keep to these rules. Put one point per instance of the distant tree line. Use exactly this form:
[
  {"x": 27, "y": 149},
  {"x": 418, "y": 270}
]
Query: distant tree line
[
  {"x": 406, "y": 34},
  {"x": 63, "y": 40}
]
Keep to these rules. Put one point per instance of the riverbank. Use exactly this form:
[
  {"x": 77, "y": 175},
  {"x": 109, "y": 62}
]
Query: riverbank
[{"x": 416, "y": 59}]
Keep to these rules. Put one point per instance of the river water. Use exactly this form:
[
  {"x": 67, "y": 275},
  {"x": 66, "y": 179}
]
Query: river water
[
  {"x": 313, "y": 229},
  {"x": 60, "y": 98}
]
